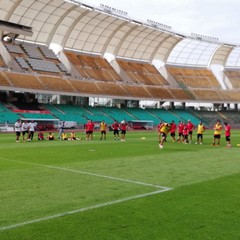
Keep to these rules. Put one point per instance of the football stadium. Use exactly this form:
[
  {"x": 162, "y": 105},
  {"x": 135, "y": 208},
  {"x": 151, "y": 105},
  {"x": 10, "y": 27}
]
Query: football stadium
[{"x": 151, "y": 122}]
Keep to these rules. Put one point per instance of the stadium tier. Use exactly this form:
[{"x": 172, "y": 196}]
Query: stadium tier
[
  {"x": 117, "y": 114},
  {"x": 97, "y": 77},
  {"x": 193, "y": 77},
  {"x": 2, "y": 64},
  {"x": 164, "y": 115},
  {"x": 142, "y": 114},
  {"x": 186, "y": 115},
  {"x": 142, "y": 73},
  {"x": 35, "y": 58},
  {"x": 233, "y": 76},
  {"x": 92, "y": 67},
  {"x": 7, "y": 116}
]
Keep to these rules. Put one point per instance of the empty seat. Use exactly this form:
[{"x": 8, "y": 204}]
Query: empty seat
[
  {"x": 24, "y": 81},
  {"x": 22, "y": 62},
  {"x": 14, "y": 48},
  {"x": 41, "y": 65},
  {"x": 32, "y": 51},
  {"x": 93, "y": 67},
  {"x": 48, "y": 53},
  {"x": 143, "y": 73},
  {"x": 194, "y": 77}
]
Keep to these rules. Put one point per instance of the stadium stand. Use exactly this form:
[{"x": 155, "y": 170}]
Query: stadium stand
[
  {"x": 142, "y": 73},
  {"x": 137, "y": 91},
  {"x": 37, "y": 116},
  {"x": 206, "y": 95},
  {"x": 6, "y": 115},
  {"x": 142, "y": 114},
  {"x": 209, "y": 117},
  {"x": 231, "y": 117},
  {"x": 86, "y": 87},
  {"x": 112, "y": 89},
  {"x": 186, "y": 115},
  {"x": 233, "y": 76},
  {"x": 68, "y": 112},
  {"x": 36, "y": 58},
  {"x": 2, "y": 63},
  {"x": 117, "y": 113},
  {"x": 3, "y": 80},
  {"x": 159, "y": 92},
  {"x": 93, "y": 67},
  {"x": 23, "y": 80},
  {"x": 230, "y": 95},
  {"x": 99, "y": 115},
  {"x": 55, "y": 83},
  {"x": 164, "y": 115},
  {"x": 182, "y": 94},
  {"x": 194, "y": 77}
]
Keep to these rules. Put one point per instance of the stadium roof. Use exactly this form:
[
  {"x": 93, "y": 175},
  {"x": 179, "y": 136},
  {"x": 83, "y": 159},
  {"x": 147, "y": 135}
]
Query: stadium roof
[{"x": 77, "y": 26}]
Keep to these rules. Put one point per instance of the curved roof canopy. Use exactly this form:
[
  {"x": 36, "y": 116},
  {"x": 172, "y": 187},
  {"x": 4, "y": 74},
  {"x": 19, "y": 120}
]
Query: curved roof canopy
[
  {"x": 84, "y": 28},
  {"x": 234, "y": 58},
  {"x": 192, "y": 52},
  {"x": 74, "y": 25}
]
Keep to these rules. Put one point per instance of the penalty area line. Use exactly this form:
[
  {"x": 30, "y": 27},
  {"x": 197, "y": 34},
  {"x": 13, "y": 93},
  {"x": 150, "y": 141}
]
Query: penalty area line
[
  {"x": 87, "y": 173},
  {"x": 82, "y": 209}
]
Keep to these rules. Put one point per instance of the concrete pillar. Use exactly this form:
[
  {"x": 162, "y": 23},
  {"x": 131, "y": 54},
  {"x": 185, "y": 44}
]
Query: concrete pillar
[{"x": 183, "y": 105}]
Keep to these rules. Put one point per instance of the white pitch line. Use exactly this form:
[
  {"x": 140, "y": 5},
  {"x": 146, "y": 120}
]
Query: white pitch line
[
  {"x": 87, "y": 173},
  {"x": 82, "y": 209},
  {"x": 163, "y": 189}
]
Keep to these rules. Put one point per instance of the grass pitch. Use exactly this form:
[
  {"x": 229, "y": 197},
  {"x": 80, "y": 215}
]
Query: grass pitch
[{"x": 107, "y": 190}]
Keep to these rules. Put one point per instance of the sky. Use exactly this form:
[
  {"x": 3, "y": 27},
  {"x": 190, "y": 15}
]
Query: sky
[{"x": 214, "y": 18}]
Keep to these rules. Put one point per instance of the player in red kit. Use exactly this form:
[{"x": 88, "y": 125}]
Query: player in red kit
[
  {"x": 173, "y": 131},
  {"x": 180, "y": 131},
  {"x": 115, "y": 127},
  {"x": 89, "y": 130},
  {"x": 123, "y": 127},
  {"x": 185, "y": 133},
  {"x": 190, "y": 128},
  {"x": 228, "y": 134}
]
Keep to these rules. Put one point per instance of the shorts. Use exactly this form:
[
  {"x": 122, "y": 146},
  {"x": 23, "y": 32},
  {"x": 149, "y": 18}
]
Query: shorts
[
  {"x": 228, "y": 138},
  {"x": 115, "y": 131},
  {"x": 190, "y": 132},
  {"x": 173, "y": 134},
  {"x": 163, "y": 134},
  {"x": 103, "y": 132},
  {"x": 24, "y": 132},
  {"x": 18, "y": 133},
  {"x": 123, "y": 132},
  {"x": 199, "y": 135},
  {"x": 217, "y": 136},
  {"x": 180, "y": 134}
]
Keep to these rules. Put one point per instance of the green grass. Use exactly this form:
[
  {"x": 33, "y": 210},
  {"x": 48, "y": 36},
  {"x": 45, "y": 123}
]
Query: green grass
[{"x": 39, "y": 180}]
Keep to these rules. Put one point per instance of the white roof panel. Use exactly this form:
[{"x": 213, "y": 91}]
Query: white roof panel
[{"x": 192, "y": 52}]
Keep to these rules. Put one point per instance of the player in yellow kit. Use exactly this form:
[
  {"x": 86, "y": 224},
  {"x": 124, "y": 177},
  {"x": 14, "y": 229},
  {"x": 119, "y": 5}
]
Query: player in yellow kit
[
  {"x": 103, "y": 130},
  {"x": 200, "y": 129},
  {"x": 164, "y": 130},
  {"x": 217, "y": 133}
]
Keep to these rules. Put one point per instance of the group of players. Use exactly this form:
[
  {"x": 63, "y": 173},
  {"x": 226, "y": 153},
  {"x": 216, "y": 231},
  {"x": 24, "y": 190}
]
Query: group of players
[
  {"x": 185, "y": 132},
  {"x": 116, "y": 127},
  {"x": 24, "y": 128}
]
